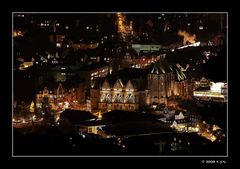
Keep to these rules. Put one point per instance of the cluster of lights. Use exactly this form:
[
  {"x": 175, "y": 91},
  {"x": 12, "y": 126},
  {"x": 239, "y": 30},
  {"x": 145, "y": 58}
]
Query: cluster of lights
[
  {"x": 18, "y": 33},
  {"x": 123, "y": 28},
  {"x": 190, "y": 45}
]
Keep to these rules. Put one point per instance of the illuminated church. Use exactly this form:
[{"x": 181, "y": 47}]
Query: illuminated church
[
  {"x": 131, "y": 89},
  {"x": 125, "y": 91},
  {"x": 165, "y": 81}
]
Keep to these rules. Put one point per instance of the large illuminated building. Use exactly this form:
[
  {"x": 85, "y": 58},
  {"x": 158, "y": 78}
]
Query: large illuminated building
[
  {"x": 165, "y": 81},
  {"x": 125, "y": 91},
  {"x": 118, "y": 96},
  {"x": 147, "y": 87}
]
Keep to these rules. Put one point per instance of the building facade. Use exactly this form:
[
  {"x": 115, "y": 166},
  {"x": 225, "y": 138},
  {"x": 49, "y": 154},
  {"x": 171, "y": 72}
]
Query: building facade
[
  {"x": 160, "y": 84},
  {"x": 58, "y": 99},
  {"x": 117, "y": 96}
]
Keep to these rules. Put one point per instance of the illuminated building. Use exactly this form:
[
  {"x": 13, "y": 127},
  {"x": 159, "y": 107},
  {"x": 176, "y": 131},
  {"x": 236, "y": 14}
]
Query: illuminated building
[
  {"x": 146, "y": 48},
  {"x": 25, "y": 65},
  {"x": 214, "y": 92},
  {"x": 59, "y": 40},
  {"x": 184, "y": 89},
  {"x": 58, "y": 99},
  {"x": 140, "y": 61},
  {"x": 124, "y": 28},
  {"x": 117, "y": 96},
  {"x": 202, "y": 83},
  {"x": 83, "y": 46},
  {"x": 124, "y": 91},
  {"x": 165, "y": 81},
  {"x": 52, "y": 98},
  {"x": 157, "y": 85},
  {"x": 160, "y": 83}
]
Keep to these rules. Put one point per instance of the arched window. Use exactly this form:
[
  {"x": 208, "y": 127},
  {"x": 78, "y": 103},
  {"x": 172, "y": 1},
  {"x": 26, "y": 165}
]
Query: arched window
[
  {"x": 129, "y": 98},
  {"x": 118, "y": 98},
  {"x": 106, "y": 98}
]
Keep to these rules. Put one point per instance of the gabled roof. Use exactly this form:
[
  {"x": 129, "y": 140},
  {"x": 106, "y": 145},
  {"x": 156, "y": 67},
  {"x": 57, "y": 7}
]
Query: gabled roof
[
  {"x": 106, "y": 84},
  {"x": 129, "y": 85},
  {"x": 162, "y": 67},
  {"x": 135, "y": 77},
  {"x": 118, "y": 84}
]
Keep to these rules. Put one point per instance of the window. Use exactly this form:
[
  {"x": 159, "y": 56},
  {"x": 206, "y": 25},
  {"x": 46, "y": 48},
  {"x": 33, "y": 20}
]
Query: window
[
  {"x": 118, "y": 98},
  {"x": 106, "y": 98},
  {"x": 129, "y": 98}
]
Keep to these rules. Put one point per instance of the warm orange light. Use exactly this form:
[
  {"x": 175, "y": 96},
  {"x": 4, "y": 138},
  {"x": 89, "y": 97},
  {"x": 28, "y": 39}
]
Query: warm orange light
[
  {"x": 99, "y": 115},
  {"x": 187, "y": 37},
  {"x": 123, "y": 28}
]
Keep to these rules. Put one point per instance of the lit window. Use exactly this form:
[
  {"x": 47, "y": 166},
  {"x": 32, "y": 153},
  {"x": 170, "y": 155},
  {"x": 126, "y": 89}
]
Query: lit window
[{"x": 58, "y": 45}]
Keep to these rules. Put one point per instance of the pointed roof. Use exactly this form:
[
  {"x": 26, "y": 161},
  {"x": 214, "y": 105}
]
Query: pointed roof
[
  {"x": 155, "y": 70},
  {"x": 203, "y": 79},
  {"x": 129, "y": 85},
  {"x": 106, "y": 84},
  {"x": 161, "y": 67},
  {"x": 180, "y": 75},
  {"x": 179, "y": 117},
  {"x": 118, "y": 84}
]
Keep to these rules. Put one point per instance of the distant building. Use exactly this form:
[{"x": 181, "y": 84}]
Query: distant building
[
  {"x": 83, "y": 46},
  {"x": 211, "y": 91},
  {"x": 146, "y": 47},
  {"x": 141, "y": 61},
  {"x": 58, "y": 98},
  {"x": 90, "y": 73},
  {"x": 202, "y": 83}
]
